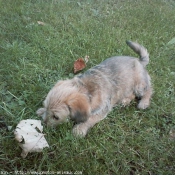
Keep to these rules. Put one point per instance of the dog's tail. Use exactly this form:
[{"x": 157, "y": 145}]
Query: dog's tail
[{"x": 141, "y": 51}]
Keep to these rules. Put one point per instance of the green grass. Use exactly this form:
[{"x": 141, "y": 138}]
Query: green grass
[{"x": 33, "y": 57}]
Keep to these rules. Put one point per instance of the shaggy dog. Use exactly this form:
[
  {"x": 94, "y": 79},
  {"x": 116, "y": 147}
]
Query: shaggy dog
[{"x": 88, "y": 98}]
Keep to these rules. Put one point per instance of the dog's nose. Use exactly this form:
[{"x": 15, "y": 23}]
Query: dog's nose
[
  {"x": 44, "y": 117},
  {"x": 44, "y": 120}
]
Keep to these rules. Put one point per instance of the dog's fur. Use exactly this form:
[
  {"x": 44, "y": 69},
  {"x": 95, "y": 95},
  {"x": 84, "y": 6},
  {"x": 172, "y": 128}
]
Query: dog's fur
[{"x": 89, "y": 97}]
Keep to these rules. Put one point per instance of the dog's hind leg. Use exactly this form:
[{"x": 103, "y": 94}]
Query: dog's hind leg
[
  {"x": 145, "y": 99},
  {"x": 143, "y": 90}
]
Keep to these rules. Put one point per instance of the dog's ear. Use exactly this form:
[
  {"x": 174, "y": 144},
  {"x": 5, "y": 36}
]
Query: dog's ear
[
  {"x": 79, "y": 107},
  {"x": 40, "y": 111}
]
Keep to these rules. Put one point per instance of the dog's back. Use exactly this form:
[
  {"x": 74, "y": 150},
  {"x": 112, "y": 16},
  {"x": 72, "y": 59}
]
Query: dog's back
[
  {"x": 122, "y": 64},
  {"x": 122, "y": 74}
]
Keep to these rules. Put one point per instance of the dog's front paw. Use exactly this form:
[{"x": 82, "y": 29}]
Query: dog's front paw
[{"x": 79, "y": 130}]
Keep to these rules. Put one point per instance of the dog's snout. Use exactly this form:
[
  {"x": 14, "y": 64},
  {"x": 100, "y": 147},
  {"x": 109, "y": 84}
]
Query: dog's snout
[{"x": 44, "y": 119}]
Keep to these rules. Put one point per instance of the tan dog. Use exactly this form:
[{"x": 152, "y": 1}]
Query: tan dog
[{"x": 89, "y": 97}]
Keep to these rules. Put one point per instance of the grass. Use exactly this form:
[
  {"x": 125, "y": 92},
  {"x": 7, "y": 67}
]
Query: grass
[{"x": 33, "y": 57}]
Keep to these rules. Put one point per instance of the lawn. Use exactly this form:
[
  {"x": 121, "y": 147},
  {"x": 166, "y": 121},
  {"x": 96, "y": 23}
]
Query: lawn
[{"x": 35, "y": 55}]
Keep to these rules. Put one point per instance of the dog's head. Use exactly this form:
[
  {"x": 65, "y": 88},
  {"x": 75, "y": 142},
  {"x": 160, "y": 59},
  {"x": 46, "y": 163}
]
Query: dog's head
[{"x": 65, "y": 100}]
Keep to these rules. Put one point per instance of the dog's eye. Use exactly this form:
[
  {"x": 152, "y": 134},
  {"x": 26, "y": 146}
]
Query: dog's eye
[{"x": 55, "y": 117}]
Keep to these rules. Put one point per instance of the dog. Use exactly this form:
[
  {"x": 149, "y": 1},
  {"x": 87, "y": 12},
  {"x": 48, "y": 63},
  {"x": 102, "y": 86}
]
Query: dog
[{"x": 89, "y": 97}]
